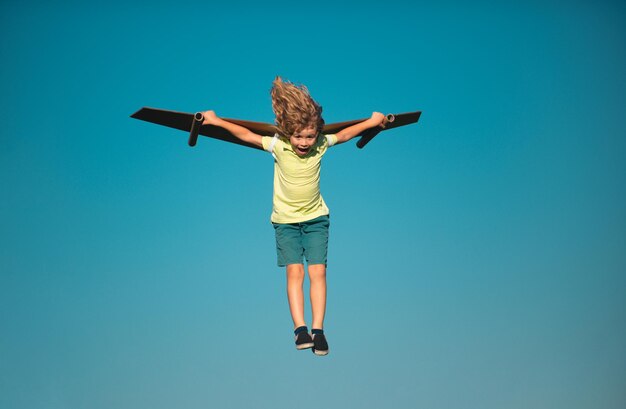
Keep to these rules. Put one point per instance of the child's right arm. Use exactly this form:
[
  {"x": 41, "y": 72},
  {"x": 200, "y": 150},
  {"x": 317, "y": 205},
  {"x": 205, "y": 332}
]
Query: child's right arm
[
  {"x": 240, "y": 132},
  {"x": 350, "y": 132}
]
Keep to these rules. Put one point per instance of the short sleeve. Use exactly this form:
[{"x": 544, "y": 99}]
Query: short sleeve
[
  {"x": 332, "y": 139},
  {"x": 269, "y": 143}
]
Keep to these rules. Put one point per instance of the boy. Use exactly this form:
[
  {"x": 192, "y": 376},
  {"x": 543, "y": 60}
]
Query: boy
[{"x": 300, "y": 217}]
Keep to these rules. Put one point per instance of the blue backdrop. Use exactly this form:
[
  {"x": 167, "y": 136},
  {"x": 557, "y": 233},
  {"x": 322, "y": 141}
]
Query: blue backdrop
[{"x": 477, "y": 259}]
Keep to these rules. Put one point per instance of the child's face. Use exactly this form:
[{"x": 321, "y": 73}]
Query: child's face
[{"x": 303, "y": 140}]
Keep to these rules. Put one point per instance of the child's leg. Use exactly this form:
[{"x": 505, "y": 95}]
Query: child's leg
[
  {"x": 317, "y": 275},
  {"x": 295, "y": 279}
]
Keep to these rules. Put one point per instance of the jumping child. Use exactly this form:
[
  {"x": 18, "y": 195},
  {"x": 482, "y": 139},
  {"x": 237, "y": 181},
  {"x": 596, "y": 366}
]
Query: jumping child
[{"x": 299, "y": 216}]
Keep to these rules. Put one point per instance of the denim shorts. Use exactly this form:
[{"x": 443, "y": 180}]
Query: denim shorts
[{"x": 308, "y": 239}]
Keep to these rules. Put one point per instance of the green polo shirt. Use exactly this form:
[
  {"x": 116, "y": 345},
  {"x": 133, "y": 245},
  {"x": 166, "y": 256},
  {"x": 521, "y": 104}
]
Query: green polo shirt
[{"x": 297, "y": 196}]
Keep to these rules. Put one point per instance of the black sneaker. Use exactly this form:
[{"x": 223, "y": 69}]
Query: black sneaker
[
  {"x": 320, "y": 346},
  {"x": 303, "y": 340}
]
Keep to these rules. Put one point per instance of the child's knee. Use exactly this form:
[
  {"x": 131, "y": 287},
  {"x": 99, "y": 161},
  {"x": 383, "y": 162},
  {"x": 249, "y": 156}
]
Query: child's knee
[
  {"x": 317, "y": 271},
  {"x": 295, "y": 270}
]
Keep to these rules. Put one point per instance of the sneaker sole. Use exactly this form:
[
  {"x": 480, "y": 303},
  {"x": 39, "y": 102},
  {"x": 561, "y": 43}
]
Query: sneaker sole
[
  {"x": 320, "y": 353},
  {"x": 304, "y": 346}
]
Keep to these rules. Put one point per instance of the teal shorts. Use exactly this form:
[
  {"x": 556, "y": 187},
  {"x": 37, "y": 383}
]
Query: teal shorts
[{"x": 308, "y": 239}]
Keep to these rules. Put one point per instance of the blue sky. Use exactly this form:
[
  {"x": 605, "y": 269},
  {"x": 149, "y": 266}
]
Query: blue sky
[{"x": 477, "y": 259}]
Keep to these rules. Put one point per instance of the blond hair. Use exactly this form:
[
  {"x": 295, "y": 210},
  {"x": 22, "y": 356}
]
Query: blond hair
[{"x": 294, "y": 108}]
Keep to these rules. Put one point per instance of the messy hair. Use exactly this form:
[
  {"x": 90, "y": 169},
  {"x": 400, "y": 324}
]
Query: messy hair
[{"x": 294, "y": 108}]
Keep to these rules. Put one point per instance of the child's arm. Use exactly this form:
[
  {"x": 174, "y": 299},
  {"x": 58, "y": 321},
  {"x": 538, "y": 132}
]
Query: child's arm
[
  {"x": 350, "y": 132},
  {"x": 240, "y": 132}
]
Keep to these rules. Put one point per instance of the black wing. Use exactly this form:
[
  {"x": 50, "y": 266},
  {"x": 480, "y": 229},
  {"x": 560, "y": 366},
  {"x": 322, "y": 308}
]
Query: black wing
[{"x": 184, "y": 120}]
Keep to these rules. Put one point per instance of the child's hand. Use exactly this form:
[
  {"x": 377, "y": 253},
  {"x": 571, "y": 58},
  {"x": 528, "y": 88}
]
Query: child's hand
[
  {"x": 377, "y": 119},
  {"x": 209, "y": 118}
]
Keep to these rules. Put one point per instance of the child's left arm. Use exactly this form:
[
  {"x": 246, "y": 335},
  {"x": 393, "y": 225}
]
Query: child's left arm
[{"x": 350, "y": 132}]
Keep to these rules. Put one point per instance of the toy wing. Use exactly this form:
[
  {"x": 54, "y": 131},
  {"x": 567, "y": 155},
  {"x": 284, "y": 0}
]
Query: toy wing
[{"x": 192, "y": 123}]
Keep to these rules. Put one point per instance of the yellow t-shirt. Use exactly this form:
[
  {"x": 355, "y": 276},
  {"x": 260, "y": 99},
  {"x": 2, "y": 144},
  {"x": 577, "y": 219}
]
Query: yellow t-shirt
[{"x": 297, "y": 196}]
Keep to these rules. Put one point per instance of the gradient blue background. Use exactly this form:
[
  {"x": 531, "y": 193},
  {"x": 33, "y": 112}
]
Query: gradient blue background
[{"x": 477, "y": 259}]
